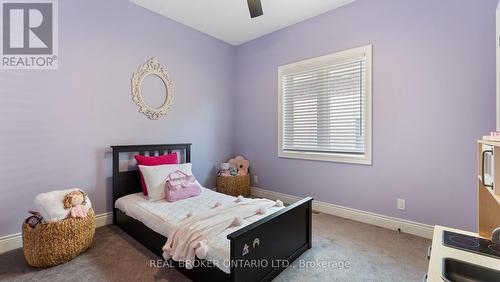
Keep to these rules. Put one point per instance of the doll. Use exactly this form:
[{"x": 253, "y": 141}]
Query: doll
[{"x": 75, "y": 201}]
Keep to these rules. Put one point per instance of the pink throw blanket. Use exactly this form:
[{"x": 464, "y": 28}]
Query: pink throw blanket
[{"x": 189, "y": 239}]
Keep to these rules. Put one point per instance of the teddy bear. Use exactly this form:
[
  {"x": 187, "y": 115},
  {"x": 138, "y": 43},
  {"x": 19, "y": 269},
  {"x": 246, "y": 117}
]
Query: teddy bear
[
  {"x": 75, "y": 201},
  {"x": 241, "y": 165}
]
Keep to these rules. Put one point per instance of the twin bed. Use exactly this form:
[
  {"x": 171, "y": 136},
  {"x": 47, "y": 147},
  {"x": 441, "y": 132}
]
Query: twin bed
[{"x": 256, "y": 251}]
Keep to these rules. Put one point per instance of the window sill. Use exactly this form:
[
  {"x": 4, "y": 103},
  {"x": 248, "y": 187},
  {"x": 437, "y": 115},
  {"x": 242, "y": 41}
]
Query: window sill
[{"x": 327, "y": 157}]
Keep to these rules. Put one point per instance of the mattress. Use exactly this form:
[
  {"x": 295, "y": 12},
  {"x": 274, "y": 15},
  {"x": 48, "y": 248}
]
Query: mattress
[{"x": 162, "y": 217}]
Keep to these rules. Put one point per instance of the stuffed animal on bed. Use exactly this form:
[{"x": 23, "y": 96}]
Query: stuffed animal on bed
[{"x": 75, "y": 201}]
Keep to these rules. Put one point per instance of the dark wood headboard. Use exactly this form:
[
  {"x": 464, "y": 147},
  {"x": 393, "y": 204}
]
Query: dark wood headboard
[{"x": 129, "y": 182}]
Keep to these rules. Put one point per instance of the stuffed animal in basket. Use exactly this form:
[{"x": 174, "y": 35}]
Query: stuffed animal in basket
[
  {"x": 224, "y": 169},
  {"x": 241, "y": 165},
  {"x": 75, "y": 201}
]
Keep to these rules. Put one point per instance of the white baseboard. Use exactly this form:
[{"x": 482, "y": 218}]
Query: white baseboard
[
  {"x": 14, "y": 241},
  {"x": 103, "y": 219},
  {"x": 406, "y": 226},
  {"x": 10, "y": 242}
]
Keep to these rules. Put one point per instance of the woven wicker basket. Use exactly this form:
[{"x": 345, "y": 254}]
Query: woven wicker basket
[
  {"x": 50, "y": 244},
  {"x": 234, "y": 185}
]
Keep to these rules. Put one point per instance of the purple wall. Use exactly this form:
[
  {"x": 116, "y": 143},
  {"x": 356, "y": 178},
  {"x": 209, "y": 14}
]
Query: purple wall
[
  {"x": 433, "y": 97},
  {"x": 56, "y": 126},
  {"x": 434, "y": 76}
]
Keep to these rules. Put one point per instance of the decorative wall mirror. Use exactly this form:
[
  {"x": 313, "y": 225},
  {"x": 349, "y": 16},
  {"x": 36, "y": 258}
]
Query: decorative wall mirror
[{"x": 152, "y": 89}]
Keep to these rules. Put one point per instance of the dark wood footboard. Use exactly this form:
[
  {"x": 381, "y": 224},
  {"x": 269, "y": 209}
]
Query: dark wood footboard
[{"x": 263, "y": 249}]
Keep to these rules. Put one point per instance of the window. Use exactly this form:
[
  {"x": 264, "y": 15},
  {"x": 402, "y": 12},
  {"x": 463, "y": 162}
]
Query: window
[{"x": 325, "y": 107}]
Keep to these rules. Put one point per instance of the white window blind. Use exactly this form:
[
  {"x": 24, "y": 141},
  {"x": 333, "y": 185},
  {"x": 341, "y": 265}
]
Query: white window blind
[{"x": 323, "y": 105}]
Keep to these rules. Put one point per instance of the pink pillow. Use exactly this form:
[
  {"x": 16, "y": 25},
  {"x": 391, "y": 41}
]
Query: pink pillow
[{"x": 153, "y": 161}]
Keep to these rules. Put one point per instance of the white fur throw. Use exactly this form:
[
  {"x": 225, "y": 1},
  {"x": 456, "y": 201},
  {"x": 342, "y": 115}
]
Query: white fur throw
[
  {"x": 189, "y": 239},
  {"x": 50, "y": 205}
]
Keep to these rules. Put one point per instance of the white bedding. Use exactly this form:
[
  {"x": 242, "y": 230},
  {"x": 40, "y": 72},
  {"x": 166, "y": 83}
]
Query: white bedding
[{"x": 161, "y": 216}]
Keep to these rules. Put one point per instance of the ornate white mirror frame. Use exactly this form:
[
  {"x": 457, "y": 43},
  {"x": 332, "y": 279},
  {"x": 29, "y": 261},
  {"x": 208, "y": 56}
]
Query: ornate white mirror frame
[{"x": 152, "y": 67}]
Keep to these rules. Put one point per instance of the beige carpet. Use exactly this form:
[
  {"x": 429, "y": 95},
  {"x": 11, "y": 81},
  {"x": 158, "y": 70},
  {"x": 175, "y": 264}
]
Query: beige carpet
[{"x": 372, "y": 253}]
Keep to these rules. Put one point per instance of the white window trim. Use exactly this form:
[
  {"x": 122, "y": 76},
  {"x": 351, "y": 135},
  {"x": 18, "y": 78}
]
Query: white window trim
[{"x": 336, "y": 57}]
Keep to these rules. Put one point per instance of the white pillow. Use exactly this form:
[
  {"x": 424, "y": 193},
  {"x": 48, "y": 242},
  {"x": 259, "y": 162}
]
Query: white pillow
[
  {"x": 51, "y": 207},
  {"x": 155, "y": 176}
]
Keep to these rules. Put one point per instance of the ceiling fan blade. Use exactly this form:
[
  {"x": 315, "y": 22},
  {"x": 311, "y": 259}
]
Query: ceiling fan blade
[{"x": 255, "y": 7}]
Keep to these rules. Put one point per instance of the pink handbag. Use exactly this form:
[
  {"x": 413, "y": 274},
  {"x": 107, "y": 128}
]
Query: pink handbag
[{"x": 179, "y": 185}]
